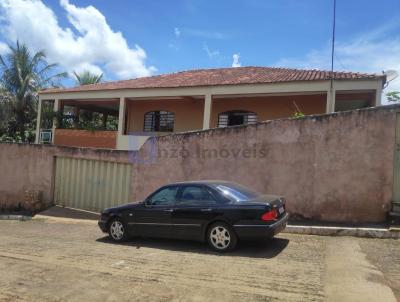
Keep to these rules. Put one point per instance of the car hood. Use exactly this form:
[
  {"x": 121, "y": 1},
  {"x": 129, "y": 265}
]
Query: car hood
[{"x": 121, "y": 207}]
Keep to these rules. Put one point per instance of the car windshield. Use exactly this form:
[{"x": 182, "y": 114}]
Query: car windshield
[{"x": 237, "y": 192}]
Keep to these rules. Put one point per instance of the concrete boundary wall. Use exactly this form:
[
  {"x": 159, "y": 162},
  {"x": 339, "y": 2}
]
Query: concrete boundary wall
[
  {"x": 25, "y": 167},
  {"x": 332, "y": 167}
]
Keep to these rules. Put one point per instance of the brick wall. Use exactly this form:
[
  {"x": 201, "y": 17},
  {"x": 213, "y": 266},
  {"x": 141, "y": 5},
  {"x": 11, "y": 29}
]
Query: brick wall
[{"x": 85, "y": 138}]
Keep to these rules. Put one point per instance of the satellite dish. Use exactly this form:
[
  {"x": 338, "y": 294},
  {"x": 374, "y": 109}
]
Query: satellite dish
[{"x": 391, "y": 74}]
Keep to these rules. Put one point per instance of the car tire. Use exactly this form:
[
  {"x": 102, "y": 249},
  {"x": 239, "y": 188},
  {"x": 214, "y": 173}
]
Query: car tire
[
  {"x": 117, "y": 230},
  {"x": 221, "y": 237}
]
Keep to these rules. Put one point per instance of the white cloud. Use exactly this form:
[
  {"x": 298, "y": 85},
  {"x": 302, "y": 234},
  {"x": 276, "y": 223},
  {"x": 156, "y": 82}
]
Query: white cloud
[
  {"x": 236, "y": 62},
  {"x": 206, "y": 34},
  {"x": 89, "y": 44},
  {"x": 177, "y": 32},
  {"x": 89, "y": 67},
  {"x": 374, "y": 51},
  {"x": 211, "y": 53},
  {"x": 173, "y": 46},
  {"x": 3, "y": 48}
]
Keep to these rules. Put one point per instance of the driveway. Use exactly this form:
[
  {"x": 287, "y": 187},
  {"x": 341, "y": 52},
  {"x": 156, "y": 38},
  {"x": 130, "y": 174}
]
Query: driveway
[{"x": 58, "y": 259}]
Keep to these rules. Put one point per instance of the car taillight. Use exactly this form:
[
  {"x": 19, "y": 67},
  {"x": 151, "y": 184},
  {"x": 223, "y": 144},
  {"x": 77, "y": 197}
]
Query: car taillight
[{"x": 270, "y": 215}]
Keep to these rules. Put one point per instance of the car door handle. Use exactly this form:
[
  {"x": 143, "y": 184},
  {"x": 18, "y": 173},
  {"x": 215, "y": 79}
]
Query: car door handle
[
  {"x": 206, "y": 210},
  {"x": 168, "y": 210}
]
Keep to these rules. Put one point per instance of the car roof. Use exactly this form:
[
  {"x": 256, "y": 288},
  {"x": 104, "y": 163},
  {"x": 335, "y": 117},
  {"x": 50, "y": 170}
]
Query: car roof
[{"x": 203, "y": 182}]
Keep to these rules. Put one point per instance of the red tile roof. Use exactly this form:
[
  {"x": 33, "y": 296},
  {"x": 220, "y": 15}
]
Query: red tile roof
[{"x": 221, "y": 76}]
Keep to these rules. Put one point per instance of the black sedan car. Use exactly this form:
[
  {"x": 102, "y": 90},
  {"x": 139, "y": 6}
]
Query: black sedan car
[{"x": 218, "y": 212}]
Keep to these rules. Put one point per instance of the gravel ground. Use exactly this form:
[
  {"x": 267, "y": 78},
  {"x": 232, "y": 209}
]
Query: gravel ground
[{"x": 60, "y": 259}]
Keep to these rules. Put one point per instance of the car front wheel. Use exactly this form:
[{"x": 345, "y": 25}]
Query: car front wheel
[
  {"x": 117, "y": 230},
  {"x": 221, "y": 237}
]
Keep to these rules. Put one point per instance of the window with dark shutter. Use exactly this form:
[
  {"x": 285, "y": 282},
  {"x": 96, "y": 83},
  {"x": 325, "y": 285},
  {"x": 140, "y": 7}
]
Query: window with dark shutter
[
  {"x": 159, "y": 121},
  {"x": 236, "y": 117}
]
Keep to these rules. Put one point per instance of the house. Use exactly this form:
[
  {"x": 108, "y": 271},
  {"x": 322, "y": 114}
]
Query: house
[{"x": 200, "y": 99}]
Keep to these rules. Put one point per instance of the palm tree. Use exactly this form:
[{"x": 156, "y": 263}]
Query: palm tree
[
  {"x": 5, "y": 110},
  {"x": 22, "y": 75},
  {"x": 86, "y": 77}
]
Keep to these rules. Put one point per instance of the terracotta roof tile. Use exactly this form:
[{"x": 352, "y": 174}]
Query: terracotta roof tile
[{"x": 220, "y": 76}]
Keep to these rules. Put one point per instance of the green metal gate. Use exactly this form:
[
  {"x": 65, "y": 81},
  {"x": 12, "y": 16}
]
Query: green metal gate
[{"x": 91, "y": 184}]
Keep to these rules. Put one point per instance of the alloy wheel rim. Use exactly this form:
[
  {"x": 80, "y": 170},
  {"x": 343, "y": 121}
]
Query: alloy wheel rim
[
  {"x": 117, "y": 230},
  {"x": 220, "y": 237}
]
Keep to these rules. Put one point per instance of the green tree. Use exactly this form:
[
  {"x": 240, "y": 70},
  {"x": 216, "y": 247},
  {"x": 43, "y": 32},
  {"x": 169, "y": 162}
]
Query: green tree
[
  {"x": 393, "y": 96},
  {"x": 22, "y": 75},
  {"x": 5, "y": 111},
  {"x": 88, "y": 119},
  {"x": 86, "y": 77}
]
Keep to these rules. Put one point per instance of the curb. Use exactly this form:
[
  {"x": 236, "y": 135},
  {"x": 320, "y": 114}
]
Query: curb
[
  {"x": 65, "y": 220},
  {"x": 343, "y": 231},
  {"x": 15, "y": 217}
]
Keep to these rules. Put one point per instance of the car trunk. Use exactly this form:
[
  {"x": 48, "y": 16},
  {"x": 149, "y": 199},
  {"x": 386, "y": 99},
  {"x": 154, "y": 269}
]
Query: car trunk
[{"x": 270, "y": 202}]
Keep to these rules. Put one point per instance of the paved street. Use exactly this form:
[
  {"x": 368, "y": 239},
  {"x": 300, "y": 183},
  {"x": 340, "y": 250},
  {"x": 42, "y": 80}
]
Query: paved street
[{"x": 58, "y": 259}]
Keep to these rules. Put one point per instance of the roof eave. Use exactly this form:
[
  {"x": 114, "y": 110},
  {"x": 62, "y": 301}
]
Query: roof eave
[{"x": 72, "y": 90}]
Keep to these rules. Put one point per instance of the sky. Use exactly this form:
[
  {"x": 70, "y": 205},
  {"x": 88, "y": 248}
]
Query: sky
[{"x": 130, "y": 38}]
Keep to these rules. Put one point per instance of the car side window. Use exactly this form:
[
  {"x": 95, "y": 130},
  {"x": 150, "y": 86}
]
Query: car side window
[
  {"x": 166, "y": 196},
  {"x": 195, "y": 195}
]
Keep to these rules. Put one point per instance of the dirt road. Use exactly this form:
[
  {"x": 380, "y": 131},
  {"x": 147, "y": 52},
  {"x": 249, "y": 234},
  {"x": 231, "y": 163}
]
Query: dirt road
[{"x": 71, "y": 260}]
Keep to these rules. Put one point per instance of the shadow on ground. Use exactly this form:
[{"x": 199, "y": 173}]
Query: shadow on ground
[
  {"x": 58, "y": 211},
  {"x": 255, "y": 249}
]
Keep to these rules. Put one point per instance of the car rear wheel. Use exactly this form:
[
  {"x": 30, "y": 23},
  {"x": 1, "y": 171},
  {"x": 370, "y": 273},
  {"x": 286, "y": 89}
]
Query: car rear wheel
[
  {"x": 117, "y": 230},
  {"x": 221, "y": 237}
]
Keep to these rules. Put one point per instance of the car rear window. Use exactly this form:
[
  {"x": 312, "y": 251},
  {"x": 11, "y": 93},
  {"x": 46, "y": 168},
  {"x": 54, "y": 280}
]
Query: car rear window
[
  {"x": 196, "y": 194},
  {"x": 237, "y": 192}
]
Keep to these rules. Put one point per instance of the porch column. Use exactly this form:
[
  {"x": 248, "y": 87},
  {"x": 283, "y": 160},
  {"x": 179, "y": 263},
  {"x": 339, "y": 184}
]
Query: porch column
[
  {"x": 76, "y": 113},
  {"x": 38, "y": 120},
  {"x": 104, "y": 120},
  {"x": 56, "y": 108},
  {"x": 121, "y": 116},
  {"x": 378, "y": 95},
  {"x": 207, "y": 111},
  {"x": 330, "y": 100}
]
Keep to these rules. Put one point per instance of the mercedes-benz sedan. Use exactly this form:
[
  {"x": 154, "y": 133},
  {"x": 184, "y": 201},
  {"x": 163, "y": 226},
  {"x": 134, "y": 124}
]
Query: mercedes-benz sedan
[{"x": 218, "y": 212}]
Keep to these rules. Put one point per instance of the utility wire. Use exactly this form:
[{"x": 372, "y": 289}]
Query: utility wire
[
  {"x": 344, "y": 68},
  {"x": 330, "y": 101}
]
